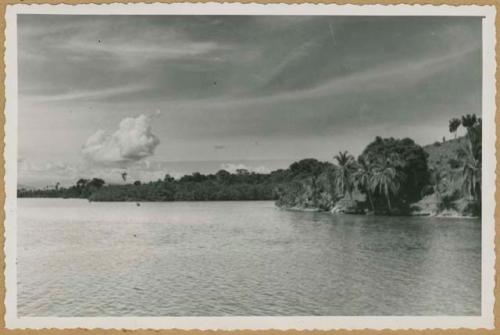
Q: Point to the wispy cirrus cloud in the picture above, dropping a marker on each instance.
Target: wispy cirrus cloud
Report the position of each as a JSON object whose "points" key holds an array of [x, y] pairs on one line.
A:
{"points": [[165, 47], [400, 74], [86, 94], [80, 40]]}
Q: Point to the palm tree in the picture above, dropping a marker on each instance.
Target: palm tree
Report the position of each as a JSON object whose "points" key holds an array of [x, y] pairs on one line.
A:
{"points": [[453, 126], [470, 171], [363, 178], [469, 120], [344, 172], [386, 178]]}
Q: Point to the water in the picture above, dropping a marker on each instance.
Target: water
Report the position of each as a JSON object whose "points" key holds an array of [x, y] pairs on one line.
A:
{"points": [[77, 258]]}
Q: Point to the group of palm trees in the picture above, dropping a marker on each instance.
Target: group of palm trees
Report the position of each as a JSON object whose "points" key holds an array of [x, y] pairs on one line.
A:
{"points": [[370, 175], [382, 176], [470, 171], [467, 121], [469, 155]]}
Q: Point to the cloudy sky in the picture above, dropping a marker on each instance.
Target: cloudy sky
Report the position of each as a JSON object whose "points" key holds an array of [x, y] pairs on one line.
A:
{"points": [[155, 94]]}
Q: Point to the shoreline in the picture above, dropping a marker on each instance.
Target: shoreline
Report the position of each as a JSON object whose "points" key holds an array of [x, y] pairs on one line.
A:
{"points": [[317, 210], [290, 209]]}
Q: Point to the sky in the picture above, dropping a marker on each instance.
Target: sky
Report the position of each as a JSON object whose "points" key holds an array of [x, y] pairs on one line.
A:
{"points": [[150, 95]]}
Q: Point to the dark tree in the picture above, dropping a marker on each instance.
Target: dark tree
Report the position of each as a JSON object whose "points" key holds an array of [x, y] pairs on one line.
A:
{"points": [[469, 120], [412, 164], [308, 166], [96, 182], [453, 126], [168, 178], [223, 176]]}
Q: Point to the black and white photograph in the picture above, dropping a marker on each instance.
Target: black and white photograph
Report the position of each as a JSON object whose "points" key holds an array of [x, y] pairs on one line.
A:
{"points": [[250, 167]]}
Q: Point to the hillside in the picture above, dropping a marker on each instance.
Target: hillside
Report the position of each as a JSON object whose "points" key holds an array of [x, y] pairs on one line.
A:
{"points": [[446, 198], [442, 154]]}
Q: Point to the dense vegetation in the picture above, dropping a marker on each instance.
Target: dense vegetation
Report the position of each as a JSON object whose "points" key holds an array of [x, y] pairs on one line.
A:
{"points": [[397, 176], [242, 185], [391, 176], [386, 177]]}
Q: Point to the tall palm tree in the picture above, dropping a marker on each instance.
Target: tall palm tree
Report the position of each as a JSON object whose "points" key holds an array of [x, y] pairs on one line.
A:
{"points": [[344, 172], [469, 120], [454, 125], [363, 178], [386, 179], [470, 171]]}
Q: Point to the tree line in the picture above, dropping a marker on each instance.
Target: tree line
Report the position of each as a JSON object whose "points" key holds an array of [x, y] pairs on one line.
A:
{"points": [[223, 185], [390, 174], [387, 177]]}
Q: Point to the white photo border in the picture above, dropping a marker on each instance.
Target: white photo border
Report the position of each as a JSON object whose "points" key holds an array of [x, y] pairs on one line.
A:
{"points": [[485, 320]]}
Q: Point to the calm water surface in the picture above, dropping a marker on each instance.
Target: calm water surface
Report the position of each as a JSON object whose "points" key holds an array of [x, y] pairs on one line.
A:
{"points": [[77, 258]]}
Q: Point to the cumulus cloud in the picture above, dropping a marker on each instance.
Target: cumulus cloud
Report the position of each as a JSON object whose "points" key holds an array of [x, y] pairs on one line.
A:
{"points": [[131, 142], [233, 168]]}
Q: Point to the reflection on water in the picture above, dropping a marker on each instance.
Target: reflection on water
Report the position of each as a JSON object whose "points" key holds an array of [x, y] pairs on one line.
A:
{"points": [[77, 258]]}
